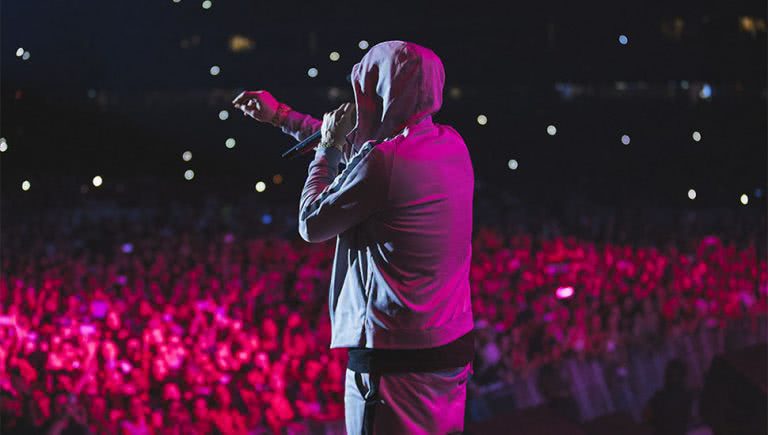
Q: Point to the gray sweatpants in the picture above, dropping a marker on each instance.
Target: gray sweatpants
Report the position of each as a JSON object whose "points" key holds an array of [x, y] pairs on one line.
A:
{"points": [[406, 403]]}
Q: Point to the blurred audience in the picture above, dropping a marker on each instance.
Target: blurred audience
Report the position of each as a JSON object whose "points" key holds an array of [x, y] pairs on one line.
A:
{"points": [[194, 324]]}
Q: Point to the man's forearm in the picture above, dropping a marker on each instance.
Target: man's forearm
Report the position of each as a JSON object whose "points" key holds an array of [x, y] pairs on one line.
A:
{"points": [[323, 169], [298, 125]]}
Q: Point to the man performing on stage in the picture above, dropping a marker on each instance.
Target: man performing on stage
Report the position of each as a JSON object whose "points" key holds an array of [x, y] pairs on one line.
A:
{"points": [[401, 212]]}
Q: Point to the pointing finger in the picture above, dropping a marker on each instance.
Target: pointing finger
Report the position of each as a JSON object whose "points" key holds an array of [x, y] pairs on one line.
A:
{"points": [[245, 95], [239, 99]]}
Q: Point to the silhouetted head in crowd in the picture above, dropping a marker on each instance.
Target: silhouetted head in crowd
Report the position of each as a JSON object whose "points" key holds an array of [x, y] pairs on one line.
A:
{"points": [[675, 374]]}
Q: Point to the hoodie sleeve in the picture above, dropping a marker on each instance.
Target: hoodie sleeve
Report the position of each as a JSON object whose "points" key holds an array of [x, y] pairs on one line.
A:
{"points": [[331, 203], [299, 125]]}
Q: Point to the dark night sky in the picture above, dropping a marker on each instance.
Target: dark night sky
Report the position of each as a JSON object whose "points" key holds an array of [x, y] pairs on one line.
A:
{"points": [[156, 99], [135, 44]]}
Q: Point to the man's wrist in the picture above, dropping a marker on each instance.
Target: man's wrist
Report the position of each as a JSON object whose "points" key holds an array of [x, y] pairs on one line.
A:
{"points": [[330, 154], [280, 114], [328, 144]]}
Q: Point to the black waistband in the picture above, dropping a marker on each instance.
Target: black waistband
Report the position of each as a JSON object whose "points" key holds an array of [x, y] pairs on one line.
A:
{"points": [[457, 353]]}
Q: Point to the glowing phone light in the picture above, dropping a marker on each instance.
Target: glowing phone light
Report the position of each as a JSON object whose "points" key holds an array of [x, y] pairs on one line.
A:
{"points": [[564, 292]]}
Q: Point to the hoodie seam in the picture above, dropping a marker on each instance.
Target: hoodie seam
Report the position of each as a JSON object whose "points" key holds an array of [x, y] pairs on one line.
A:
{"points": [[389, 175], [420, 81], [395, 145]]}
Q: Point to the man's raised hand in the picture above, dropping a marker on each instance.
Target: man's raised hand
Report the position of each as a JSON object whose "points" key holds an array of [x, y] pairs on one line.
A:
{"points": [[337, 124], [259, 105]]}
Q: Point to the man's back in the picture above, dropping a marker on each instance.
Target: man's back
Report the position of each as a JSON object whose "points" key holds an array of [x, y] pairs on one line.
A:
{"points": [[419, 246], [401, 212]]}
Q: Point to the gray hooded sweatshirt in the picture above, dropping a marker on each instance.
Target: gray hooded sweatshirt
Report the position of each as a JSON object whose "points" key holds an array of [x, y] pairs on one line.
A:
{"points": [[401, 210]]}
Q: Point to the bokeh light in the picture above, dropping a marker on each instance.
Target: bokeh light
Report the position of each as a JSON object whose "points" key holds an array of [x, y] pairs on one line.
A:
{"points": [[691, 194], [625, 139], [223, 115], [482, 119], [240, 43], [189, 174], [706, 91], [564, 292], [334, 56], [363, 44], [551, 130], [334, 93], [696, 136], [266, 219], [277, 178], [312, 72], [186, 156], [26, 55], [623, 40], [230, 142], [744, 199], [3, 145], [207, 4], [512, 164], [215, 70], [19, 52], [25, 185], [261, 186], [97, 181]]}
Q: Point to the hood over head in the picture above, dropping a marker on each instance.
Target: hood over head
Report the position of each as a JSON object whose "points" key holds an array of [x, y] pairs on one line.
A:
{"points": [[396, 84]]}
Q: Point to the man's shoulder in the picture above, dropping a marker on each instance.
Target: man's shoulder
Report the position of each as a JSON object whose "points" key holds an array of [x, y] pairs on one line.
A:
{"points": [[414, 142], [377, 149]]}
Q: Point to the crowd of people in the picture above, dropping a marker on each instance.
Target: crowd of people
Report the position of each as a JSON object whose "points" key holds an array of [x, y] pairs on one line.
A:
{"points": [[122, 322], [537, 301]]}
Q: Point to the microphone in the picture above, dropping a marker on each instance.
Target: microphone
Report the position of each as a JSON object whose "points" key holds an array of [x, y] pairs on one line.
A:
{"points": [[301, 147]]}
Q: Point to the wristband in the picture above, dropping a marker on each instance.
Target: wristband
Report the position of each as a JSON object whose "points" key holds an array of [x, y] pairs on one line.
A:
{"points": [[326, 145]]}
